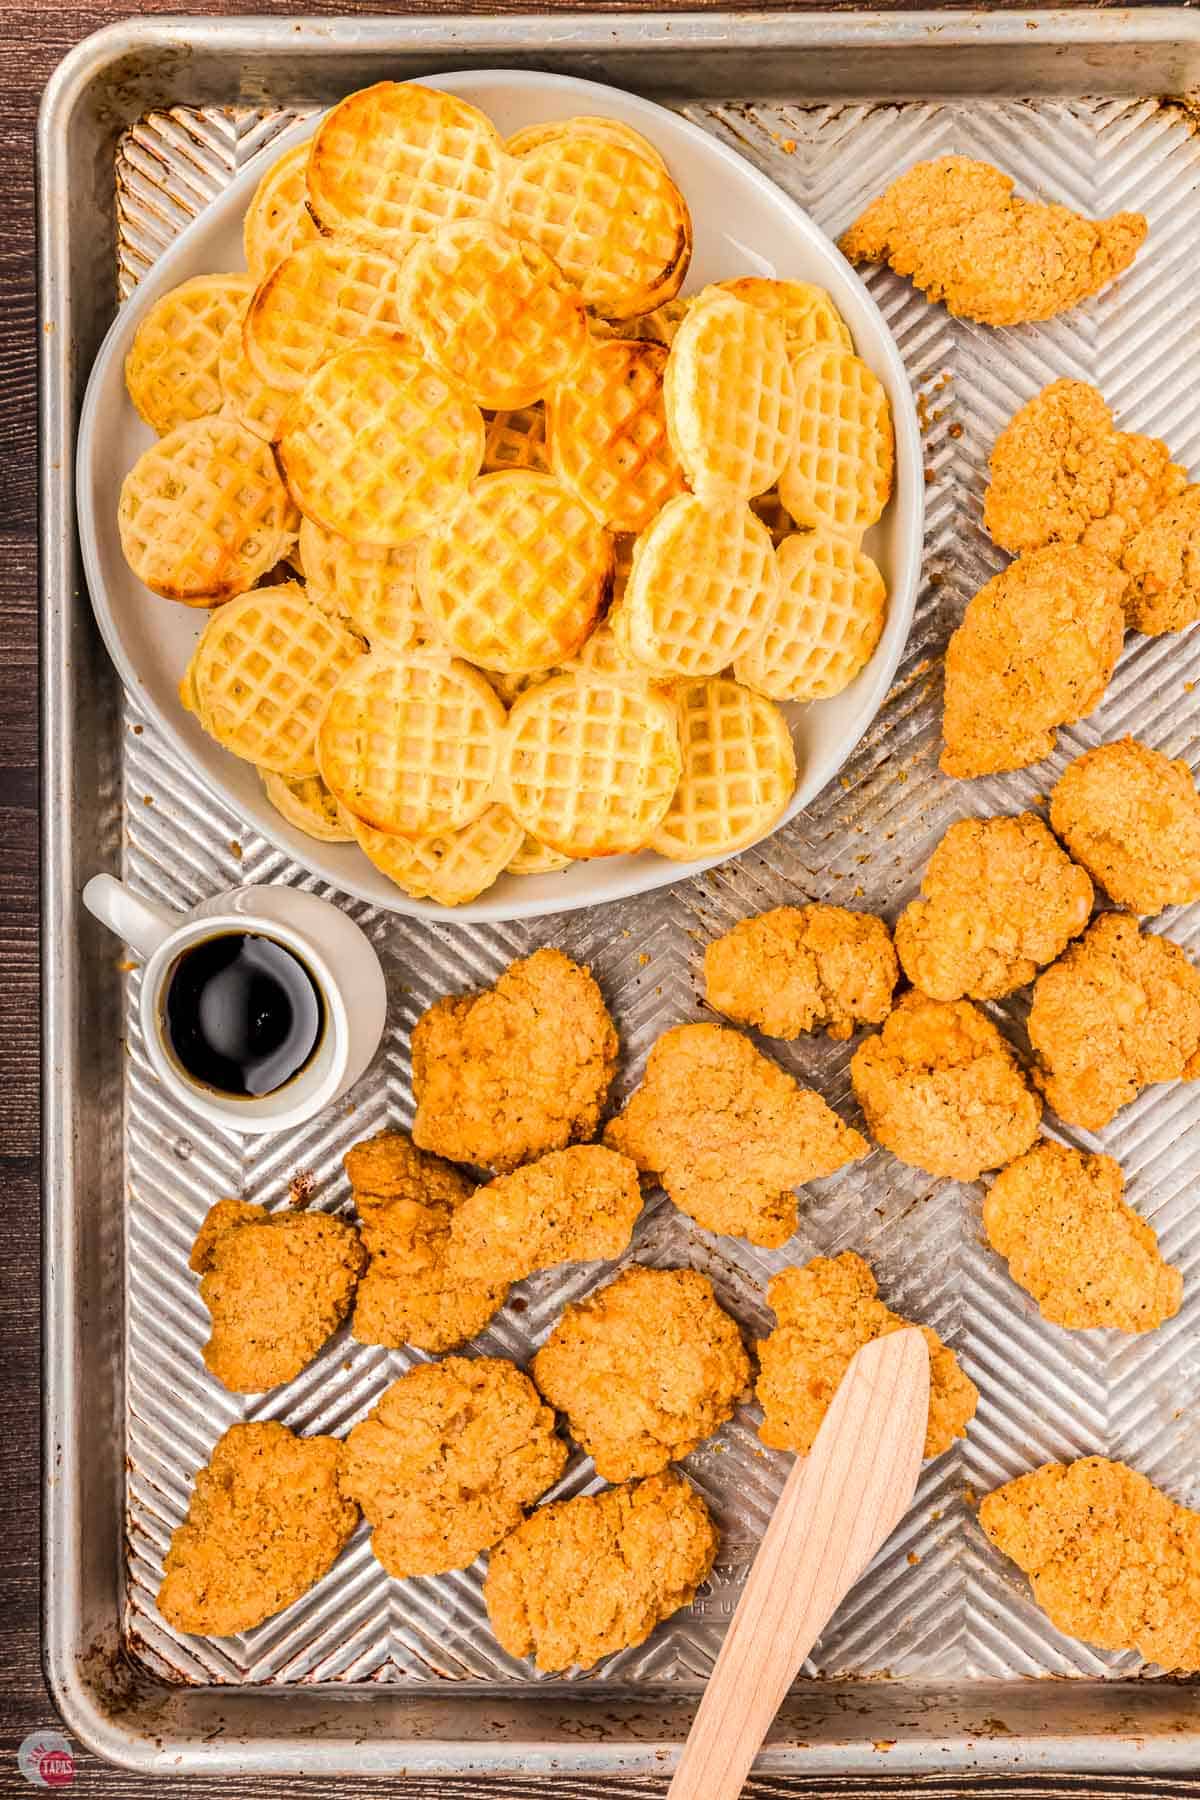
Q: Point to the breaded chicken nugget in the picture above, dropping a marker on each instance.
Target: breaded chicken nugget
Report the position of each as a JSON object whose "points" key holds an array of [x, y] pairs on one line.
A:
{"points": [[446, 1464], [1000, 901], [1132, 818], [645, 1369], [508, 1073], [1057, 1216], [1120, 1011], [826, 1312], [942, 1090], [1035, 650], [730, 1134], [798, 968], [265, 1522], [956, 227], [1061, 473], [277, 1286], [1111, 1559], [582, 1578], [575, 1205], [413, 1291], [1163, 566]]}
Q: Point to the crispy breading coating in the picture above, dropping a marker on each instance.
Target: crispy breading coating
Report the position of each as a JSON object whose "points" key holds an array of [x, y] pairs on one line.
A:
{"points": [[1120, 1011], [414, 1291], [575, 1205], [1000, 900], [1111, 1559], [1132, 818], [800, 968], [942, 1090], [1061, 473], [1163, 566], [644, 1369], [448, 1461], [265, 1522], [1035, 650], [826, 1312], [957, 229], [1058, 1218], [582, 1578], [277, 1286], [730, 1134], [505, 1074]]}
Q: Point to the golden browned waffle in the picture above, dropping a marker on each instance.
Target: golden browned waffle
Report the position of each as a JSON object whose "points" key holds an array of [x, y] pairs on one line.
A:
{"points": [[172, 370], [277, 219], [607, 434], [826, 620], [318, 300], [730, 395], [739, 772], [843, 454]]}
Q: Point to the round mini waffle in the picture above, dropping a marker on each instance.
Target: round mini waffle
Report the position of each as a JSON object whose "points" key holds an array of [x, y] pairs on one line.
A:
{"points": [[532, 137], [393, 161], [730, 398], [374, 587], [308, 804], [277, 219], [317, 301], [515, 578], [410, 745], [590, 764], [246, 396], [492, 312], [607, 434], [825, 624], [806, 312], [451, 868], [515, 438], [739, 772], [203, 514], [172, 370], [839, 473], [380, 446]]}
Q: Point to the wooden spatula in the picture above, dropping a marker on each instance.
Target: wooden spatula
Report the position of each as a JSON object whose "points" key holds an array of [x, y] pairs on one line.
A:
{"points": [[838, 1505]]}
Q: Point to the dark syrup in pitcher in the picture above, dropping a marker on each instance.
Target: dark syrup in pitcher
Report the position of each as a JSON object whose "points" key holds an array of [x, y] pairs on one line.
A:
{"points": [[242, 1014]]}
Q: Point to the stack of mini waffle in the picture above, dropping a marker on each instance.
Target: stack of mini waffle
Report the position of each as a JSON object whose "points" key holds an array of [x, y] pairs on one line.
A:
{"points": [[546, 588]]}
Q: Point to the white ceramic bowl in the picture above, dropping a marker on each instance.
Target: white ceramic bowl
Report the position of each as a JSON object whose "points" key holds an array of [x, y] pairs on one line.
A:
{"points": [[743, 225]]}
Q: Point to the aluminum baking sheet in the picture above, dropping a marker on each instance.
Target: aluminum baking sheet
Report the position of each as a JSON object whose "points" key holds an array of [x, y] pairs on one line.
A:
{"points": [[938, 1613]]}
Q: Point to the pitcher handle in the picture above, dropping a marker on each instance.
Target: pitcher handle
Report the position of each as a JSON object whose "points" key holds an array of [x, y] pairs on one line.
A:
{"points": [[139, 923]]}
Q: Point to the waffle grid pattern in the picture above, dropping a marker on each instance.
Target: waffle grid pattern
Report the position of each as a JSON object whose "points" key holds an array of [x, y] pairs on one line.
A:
{"points": [[700, 591], [173, 366], [608, 438], [825, 623], [373, 585], [278, 220], [806, 312], [451, 868], [245, 396], [739, 772], [731, 402], [317, 301], [840, 471]]}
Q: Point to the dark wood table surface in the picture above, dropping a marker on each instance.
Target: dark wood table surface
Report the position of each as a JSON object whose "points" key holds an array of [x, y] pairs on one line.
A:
{"points": [[34, 35]]}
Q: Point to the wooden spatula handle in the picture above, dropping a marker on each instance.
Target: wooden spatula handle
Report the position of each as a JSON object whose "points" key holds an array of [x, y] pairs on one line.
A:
{"points": [[838, 1505]]}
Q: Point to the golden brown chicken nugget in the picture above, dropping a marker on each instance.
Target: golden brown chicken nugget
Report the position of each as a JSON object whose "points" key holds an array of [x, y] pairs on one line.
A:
{"points": [[575, 1205], [1035, 650], [942, 1090], [1163, 566], [1000, 900], [265, 1522], [826, 1312], [515, 1070], [448, 1461], [582, 1578], [1111, 1559], [1132, 818], [1120, 1011], [800, 968], [277, 1286], [1058, 1218], [730, 1134], [957, 229], [645, 1369]]}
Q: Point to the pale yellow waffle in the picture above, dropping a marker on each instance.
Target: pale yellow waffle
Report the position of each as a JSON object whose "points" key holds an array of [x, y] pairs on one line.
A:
{"points": [[590, 764], [374, 587], [452, 868], [516, 576], [493, 312], [379, 445], [203, 514], [613, 220], [606, 433], [263, 672], [172, 369], [533, 858], [246, 397], [825, 624], [730, 394], [411, 744], [277, 219], [395, 160], [308, 804], [701, 589], [806, 312], [532, 137], [840, 470], [317, 301], [739, 772], [515, 439]]}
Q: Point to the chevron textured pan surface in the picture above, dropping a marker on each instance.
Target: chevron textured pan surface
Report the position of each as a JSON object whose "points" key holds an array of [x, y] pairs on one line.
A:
{"points": [[937, 1605]]}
